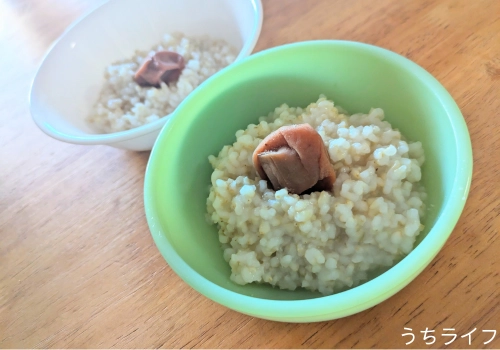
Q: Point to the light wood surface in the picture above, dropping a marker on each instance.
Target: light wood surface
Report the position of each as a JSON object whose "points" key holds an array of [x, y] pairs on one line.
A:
{"points": [[78, 267]]}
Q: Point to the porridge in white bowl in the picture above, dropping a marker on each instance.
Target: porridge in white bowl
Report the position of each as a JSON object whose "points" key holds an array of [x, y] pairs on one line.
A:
{"points": [[124, 104]]}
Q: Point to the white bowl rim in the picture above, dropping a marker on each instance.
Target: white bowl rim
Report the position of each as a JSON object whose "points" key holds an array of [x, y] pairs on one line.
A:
{"points": [[108, 138]]}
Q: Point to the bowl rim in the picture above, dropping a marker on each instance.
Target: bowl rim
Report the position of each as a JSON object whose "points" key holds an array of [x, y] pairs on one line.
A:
{"points": [[367, 294], [108, 138]]}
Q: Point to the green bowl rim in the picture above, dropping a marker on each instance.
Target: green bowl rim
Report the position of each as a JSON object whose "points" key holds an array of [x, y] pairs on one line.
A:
{"points": [[367, 294]]}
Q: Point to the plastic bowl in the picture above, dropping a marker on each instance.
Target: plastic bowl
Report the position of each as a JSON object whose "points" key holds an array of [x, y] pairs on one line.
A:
{"points": [[70, 77], [357, 77]]}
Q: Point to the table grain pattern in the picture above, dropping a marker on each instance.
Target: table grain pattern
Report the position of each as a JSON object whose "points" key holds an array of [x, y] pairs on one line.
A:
{"points": [[78, 267]]}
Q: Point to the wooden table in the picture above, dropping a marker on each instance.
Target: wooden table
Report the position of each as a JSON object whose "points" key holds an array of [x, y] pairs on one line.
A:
{"points": [[79, 267]]}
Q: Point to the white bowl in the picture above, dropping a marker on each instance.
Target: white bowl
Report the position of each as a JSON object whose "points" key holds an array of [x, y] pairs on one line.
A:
{"points": [[70, 77]]}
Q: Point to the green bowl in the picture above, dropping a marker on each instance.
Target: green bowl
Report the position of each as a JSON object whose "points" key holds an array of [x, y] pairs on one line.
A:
{"points": [[355, 76]]}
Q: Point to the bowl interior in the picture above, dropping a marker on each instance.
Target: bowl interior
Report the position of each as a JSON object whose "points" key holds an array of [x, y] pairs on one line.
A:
{"points": [[356, 76], [71, 76]]}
